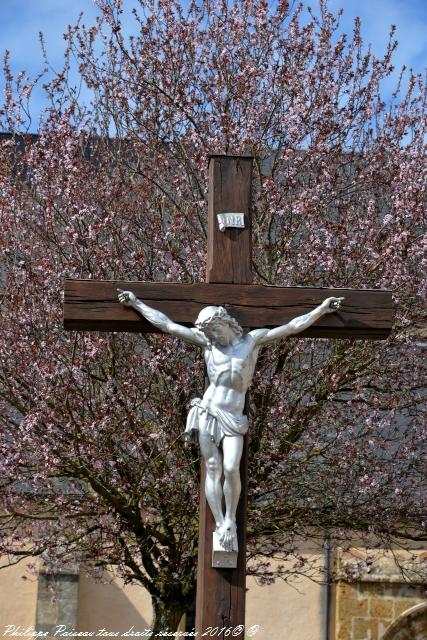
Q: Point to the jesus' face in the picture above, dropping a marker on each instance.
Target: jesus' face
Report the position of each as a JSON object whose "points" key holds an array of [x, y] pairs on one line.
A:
{"points": [[218, 326], [220, 332]]}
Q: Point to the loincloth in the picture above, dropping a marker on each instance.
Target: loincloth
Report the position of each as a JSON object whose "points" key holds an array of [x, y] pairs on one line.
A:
{"points": [[217, 422]]}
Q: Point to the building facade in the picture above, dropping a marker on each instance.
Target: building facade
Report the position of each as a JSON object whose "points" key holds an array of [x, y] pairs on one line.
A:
{"points": [[379, 605]]}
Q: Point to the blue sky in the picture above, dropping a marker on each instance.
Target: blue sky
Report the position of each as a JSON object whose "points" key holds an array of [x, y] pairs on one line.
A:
{"points": [[21, 21]]}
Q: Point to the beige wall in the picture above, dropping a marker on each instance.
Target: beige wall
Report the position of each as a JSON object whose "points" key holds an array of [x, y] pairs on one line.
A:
{"points": [[360, 611], [18, 596], [280, 610], [112, 605], [285, 611]]}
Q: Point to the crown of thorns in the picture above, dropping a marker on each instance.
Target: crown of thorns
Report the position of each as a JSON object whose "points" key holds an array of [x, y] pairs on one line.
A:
{"points": [[218, 313]]}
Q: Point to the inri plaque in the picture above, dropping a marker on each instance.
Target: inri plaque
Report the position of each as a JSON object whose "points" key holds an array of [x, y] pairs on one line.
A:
{"points": [[226, 220]]}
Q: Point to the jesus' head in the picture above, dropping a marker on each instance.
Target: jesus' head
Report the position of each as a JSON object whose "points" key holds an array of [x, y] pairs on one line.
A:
{"points": [[218, 325]]}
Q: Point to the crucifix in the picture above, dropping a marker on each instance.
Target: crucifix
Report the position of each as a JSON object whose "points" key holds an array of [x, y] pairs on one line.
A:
{"points": [[233, 319]]}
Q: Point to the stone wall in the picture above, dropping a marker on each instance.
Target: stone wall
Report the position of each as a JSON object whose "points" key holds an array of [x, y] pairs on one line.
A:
{"points": [[412, 625], [366, 609]]}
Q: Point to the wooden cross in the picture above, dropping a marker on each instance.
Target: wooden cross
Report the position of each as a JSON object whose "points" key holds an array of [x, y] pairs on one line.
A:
{"points": [[93, 305]]}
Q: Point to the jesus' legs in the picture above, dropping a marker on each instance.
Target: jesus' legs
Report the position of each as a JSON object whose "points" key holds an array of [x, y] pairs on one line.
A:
{"points": [[232, 447], [213, 490]]}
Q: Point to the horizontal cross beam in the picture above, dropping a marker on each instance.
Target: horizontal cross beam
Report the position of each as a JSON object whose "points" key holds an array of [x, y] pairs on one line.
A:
{"points": [[93, 305]]}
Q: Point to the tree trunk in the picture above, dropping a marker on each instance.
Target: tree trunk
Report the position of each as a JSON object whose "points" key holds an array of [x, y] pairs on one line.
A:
{"points": [[166, 616]]}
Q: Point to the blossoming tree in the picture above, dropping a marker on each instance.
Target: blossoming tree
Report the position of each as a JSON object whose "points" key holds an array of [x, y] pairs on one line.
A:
{"points": [[92, 461]]}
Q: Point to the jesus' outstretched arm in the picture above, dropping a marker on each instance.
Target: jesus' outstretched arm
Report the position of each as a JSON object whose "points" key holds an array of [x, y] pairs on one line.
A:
{"points": [[297, 325], [161, 321]]}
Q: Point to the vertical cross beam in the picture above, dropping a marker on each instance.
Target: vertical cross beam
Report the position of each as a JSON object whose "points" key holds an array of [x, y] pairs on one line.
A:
{"points": [[220, 598], [230, 251]]}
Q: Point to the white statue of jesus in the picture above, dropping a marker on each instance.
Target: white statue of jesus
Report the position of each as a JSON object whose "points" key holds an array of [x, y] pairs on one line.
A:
{"points": [[217, 418]]}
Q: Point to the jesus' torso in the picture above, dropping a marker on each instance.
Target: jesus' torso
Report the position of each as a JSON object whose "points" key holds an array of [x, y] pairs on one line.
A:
{"points": [[230, 369]]}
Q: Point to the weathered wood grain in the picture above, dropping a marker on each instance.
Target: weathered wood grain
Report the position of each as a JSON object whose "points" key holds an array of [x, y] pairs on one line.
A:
{"points": [[229, 252], [93, 305]]}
